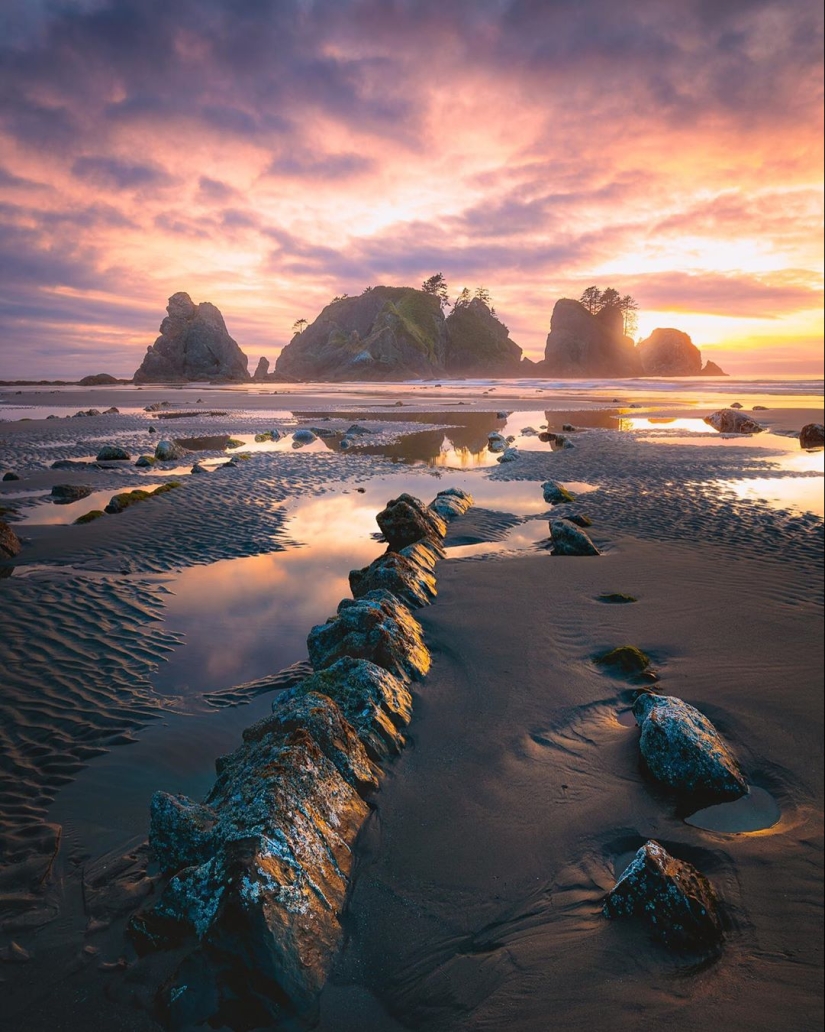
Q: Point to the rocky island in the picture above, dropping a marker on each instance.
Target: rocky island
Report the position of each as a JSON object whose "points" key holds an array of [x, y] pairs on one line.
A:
{"points": [[194, 344]]}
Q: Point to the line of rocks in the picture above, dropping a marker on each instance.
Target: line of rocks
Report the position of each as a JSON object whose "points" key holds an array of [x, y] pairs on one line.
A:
{"points": [[259, 872]]}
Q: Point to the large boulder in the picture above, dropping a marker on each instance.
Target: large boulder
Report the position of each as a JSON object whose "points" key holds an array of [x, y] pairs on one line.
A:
{"points": [[64, 494], [194, 344], [730, 421], [112, 453], [478, 344], [169, 451], [676, 902], [669, 352], [261, 369], [406, 520], [812, 435], [376, 627], [683, 750], [580, 344], [386, 333]]}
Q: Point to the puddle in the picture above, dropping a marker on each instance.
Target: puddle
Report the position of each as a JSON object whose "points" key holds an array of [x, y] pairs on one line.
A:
{"points": [[802, 494], [521, 537], [48, 513], [626, 718], [756, 811]]}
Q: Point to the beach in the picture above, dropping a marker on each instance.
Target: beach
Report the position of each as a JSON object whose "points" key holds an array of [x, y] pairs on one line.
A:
{"points": [[134, 649]]}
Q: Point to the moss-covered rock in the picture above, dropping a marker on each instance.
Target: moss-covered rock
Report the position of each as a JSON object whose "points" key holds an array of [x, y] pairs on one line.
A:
{"points": [[478, 344], [122, 501], [625, 659], [616, 598], [89, 517]]}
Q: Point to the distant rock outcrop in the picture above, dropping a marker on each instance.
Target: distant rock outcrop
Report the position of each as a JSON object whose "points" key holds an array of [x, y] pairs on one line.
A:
{"points": [[193, 345], [479, 344], [580, 344], [261, 370], [712, 369], [386, 333], [669, 352], [98, 380]]}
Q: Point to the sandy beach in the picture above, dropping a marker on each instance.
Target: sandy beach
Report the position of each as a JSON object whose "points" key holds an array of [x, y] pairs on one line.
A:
{"points": [[133, 649]]}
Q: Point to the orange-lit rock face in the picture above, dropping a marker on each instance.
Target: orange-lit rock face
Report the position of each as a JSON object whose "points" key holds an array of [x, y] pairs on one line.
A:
{"points": [[384, 146]]}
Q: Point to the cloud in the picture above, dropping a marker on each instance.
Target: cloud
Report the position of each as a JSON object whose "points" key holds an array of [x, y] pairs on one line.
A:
{"points": [[713, 294], [325, 166], [119, 175]]}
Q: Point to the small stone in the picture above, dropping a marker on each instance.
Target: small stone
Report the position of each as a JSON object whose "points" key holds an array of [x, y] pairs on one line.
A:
{"points": [[675, 900], [406, 520], [64, 494], [14, 953], [146, 461], [626, 659], [570, 540], [9, 542], [10, 476], [736, 405], [615, 598], [303, 437], [509, 455], [112, 453], [726, 421], [555, 493]]}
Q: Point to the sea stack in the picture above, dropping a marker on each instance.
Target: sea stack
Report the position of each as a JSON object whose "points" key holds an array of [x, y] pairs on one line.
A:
{"points": [[194, 344], [580, 344]]}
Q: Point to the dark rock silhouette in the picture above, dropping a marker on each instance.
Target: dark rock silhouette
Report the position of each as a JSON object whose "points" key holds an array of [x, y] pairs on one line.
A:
{"points": [[669, 352], [387, 333], [580, 344], [9, 541], [728, 421], [261, 370], [478, 344], [97, 380], [193, 345], [712, 369], [812, 435]]}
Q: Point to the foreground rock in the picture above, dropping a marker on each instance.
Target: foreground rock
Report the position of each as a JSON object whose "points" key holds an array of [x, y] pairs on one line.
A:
{"points": [[669, 352], [730, 421], [169, 451], [386, 333], [194, 344], [112, 453], [9, 542], [812, 435], [570, 540], [263, 875], [581, 344], [556, 494], [478, 344], [676, 902], [410, 577], [451, 503], [683, 750], [376, 627], [406, 520]]}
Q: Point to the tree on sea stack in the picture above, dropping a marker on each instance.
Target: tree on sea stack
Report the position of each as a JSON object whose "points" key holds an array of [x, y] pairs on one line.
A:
{"points": [[437, 286], [463, 299], [299, 326]]}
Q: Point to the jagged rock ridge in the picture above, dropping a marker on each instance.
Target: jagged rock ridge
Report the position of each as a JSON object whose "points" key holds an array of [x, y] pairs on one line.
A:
{"points": [[194, 344]]}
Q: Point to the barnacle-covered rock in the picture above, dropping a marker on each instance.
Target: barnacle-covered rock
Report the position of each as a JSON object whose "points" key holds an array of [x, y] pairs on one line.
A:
{"points": [[406, 520]]}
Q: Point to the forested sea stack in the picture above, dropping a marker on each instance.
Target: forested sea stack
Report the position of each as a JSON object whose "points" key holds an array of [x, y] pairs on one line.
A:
{"points": [[194, 344], [581, 344]]}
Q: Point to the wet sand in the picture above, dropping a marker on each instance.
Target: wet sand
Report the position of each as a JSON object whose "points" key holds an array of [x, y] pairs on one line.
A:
{"points": [[495, 835]]}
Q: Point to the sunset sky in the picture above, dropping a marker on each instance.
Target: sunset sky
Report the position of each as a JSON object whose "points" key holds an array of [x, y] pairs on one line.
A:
{"points": [[267, 155]]}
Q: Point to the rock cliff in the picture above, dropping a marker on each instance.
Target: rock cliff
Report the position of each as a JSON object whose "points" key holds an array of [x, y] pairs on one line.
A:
{"points": [[386, 333], [478, 344], [580, 344], [193, 345]]}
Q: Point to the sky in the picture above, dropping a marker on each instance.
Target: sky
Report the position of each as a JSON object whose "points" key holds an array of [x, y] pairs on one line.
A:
{"points": [[267, 155]]}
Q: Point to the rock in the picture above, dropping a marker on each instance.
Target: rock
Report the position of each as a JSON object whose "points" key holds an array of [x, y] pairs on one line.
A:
{"points": [[616, 598], [97, 380], [579, 519], [570, 540], [737, 405], [682, 749], [669, 352], [502, 415], [261, 370], [267, 902], [111, 411], [303, 437], [509, 455], [73, 464], [87, 412], [625, 659], [111, 453], [157, 406], [169, 451], [146, 461], [812, 435], [375, 704], [386, 333], [555, 493], [10, 476], [376, 627], [478, 344], [712, 369], [198, 468], [496, 442], [180, 831], [153, 430], [345, 443], [89, 517], [401, 576], [356, 430], [406, 520], [9, 542], [580, 344], [63, 494], [193, 345], [675, 900], [726, 421], [14, 953], [451, 503]]}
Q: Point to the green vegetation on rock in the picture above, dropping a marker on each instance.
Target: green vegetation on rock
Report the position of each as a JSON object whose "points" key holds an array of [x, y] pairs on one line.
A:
{"points": [[616, 598], [89, 517], [627, 658]]}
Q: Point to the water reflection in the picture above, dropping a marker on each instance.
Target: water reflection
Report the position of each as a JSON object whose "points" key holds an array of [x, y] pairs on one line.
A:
{"points": [[47, 513], [801, 494]]}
